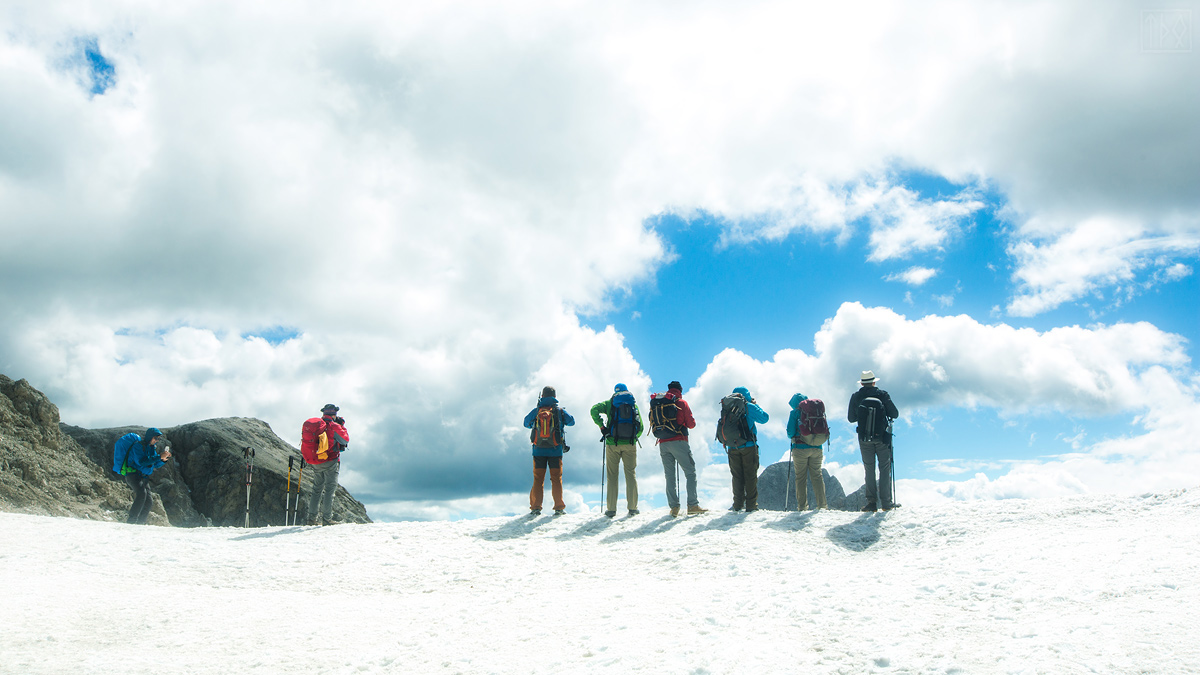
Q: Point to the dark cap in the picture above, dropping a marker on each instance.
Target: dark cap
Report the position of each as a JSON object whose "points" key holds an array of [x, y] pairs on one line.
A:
{"points": [[548, 392], [330, 409], [675, 386]]}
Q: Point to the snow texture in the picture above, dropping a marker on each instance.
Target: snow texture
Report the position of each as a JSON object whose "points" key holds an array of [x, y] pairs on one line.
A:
{"points": [[1095, 584]]}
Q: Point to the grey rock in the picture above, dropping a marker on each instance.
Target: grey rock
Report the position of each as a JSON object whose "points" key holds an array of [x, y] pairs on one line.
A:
{"points": [[776, 491]]}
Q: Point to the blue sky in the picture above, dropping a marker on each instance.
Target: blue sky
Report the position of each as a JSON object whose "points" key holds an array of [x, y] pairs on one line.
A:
{"points": [[425, 213]]}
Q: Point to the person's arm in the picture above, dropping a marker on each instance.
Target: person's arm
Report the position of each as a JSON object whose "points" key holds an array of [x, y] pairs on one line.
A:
{"points": [[637, 422], [529, 418], [340, 435], [757, 414], [793, 420], [889, 407], [567, 420], [601, 407], [685, 416], [852, 413]]}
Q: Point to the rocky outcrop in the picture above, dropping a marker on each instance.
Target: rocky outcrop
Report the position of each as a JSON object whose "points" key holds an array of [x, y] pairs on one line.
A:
{"points": [[45, 472], [49, 468], [776, 491]]}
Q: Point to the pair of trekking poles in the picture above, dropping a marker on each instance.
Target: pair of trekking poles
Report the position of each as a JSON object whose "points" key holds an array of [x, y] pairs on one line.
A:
{"points": [[291, 510]]}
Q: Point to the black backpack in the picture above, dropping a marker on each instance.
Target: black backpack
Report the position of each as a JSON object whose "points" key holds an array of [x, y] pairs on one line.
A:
{"points": [[664, 417], [873, 422], [733, 429], [622, 423]]}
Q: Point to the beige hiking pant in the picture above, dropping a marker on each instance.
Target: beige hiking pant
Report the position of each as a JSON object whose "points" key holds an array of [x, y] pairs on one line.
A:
{"points": [[625, 453], [807, 463]]}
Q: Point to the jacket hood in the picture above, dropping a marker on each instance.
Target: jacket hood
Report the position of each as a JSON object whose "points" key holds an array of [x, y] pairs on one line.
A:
{"points": [[795, 402], [547, 400], [743, 391]]}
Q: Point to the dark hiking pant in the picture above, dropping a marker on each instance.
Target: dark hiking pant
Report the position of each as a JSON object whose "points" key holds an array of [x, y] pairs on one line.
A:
{"points": [[743, 466], [679, 453], [140, 511], [881, 451]]}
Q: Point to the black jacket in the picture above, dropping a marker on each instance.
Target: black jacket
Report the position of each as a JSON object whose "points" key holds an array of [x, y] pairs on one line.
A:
{"points": [[871, 391]]}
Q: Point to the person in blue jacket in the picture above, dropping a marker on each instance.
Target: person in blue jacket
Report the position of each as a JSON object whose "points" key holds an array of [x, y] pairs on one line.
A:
{"points": [[743, 459], [806, 460], [547, 421], [136, 459]]}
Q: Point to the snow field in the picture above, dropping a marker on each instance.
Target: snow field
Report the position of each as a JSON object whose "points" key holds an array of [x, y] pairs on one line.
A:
{"points": [[1094, 584]]}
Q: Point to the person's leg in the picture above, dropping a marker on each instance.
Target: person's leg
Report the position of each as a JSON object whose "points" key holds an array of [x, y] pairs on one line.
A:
{"points": [[815, 457], [737, 472], [683, 455], [539, 481], [799, 461], [319, 473], [884, 452], [611, 462], [868, 459], [139, 510], [331, 483], [751, 472], [556, 485], [629, 459], [668, 460]]}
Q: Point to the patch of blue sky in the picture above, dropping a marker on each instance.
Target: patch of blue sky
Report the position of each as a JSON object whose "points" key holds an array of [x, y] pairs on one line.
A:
{"points": [[274, 335], [97, 72]]}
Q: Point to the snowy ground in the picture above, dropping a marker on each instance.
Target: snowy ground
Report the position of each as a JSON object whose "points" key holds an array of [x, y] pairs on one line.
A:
{"points": [[1096, 584]]}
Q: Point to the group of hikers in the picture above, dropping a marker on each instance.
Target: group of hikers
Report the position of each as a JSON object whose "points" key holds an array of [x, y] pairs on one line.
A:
{"points": [[670, 419], [322, 441], [324, 438]]}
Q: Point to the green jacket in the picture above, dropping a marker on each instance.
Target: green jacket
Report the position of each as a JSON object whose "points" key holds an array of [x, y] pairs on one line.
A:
{"points": [[605, 408]]}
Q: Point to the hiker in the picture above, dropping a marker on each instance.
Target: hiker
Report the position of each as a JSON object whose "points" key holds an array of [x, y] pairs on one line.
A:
{"points": [[325, 460], [874, 440], [546, 422], [136, 458], [808, 431], [736, 431], [621, 426], [670, 419]]}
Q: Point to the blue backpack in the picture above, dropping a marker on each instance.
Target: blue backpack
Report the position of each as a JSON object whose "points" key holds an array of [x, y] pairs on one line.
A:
{"points": [[121, 450], [623, 425]]}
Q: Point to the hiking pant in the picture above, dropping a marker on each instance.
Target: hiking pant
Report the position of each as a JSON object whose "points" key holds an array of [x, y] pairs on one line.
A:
{"points": [[743, 465], [807, 463], [626, 453], [553, 466], [140, 511], [679, 452], [883, 451], [325, 476]]}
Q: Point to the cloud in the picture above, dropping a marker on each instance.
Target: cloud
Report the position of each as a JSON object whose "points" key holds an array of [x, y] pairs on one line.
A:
{"points": [[1100, 253], [913, 276]]}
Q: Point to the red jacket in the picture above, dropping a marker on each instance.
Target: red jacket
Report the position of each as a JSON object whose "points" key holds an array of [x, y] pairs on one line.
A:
{"points": [[684, 417]]}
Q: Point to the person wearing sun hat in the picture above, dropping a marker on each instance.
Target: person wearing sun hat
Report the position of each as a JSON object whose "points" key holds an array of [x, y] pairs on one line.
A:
{"points": [[135, 458], [874, 442], [325, 472]]}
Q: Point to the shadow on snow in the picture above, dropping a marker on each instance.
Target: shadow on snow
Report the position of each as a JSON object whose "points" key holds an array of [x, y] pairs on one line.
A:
{"points": [[859, 535]]}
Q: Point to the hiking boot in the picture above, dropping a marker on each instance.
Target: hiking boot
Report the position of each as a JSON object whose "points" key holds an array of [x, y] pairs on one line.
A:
{"points": [[559, 512], [735, 507], [610, 514], [893, 506], [634, 512], [869, 508], [313, 521], [674, 511], [751, 509], [695, 509], [535, 512]]}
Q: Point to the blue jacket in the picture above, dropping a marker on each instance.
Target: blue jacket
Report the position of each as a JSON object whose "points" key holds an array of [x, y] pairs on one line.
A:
{"points": [[753, 414], [129, 451], [794, 422], [567, 421]]}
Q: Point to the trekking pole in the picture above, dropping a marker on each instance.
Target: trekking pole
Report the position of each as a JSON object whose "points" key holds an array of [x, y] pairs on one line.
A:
{"points": [[248, 453], [287, 502], [299, 480], [789, 485], [603, 471]]}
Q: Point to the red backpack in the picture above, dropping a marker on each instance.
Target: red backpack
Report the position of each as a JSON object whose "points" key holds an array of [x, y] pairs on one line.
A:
{"points": [[314, 442], [813, 428], [546, 431]]}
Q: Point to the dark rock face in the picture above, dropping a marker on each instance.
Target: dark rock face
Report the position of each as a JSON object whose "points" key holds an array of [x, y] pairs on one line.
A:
{"points": [[776, 491], [45, 472], [49, 468]]}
